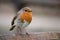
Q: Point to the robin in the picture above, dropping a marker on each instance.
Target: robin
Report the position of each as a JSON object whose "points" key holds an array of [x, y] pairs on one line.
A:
{"points": [[23, 19]]}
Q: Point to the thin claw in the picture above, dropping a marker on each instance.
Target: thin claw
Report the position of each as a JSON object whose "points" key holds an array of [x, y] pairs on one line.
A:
{"points": [[22, 35], [27, 34]]}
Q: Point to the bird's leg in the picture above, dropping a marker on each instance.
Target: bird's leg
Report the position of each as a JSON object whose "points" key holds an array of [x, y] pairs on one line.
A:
{"points": [[19, 31], [22, 31], [26, 32]]}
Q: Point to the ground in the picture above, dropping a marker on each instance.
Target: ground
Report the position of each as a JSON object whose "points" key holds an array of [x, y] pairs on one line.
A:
{"points": [[33, 36]]}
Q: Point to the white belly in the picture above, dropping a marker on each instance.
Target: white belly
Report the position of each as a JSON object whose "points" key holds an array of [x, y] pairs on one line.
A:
{"points": [[20, 24]]}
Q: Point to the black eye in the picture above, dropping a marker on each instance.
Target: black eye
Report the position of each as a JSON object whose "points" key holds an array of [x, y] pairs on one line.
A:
{"points": [[25, 10]]}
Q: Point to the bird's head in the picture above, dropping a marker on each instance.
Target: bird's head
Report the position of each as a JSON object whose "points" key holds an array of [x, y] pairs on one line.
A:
{"points": [[25, 10]]}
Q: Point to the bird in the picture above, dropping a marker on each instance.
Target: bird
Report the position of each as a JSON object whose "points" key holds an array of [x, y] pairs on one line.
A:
{"points": [[23, 19]]}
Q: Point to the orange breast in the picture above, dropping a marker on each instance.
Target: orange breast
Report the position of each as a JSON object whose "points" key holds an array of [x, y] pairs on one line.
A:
{"points": [[27, 17]]}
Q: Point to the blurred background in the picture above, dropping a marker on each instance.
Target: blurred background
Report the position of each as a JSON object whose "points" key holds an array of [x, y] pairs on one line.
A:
{"points": [[46, 15]]}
